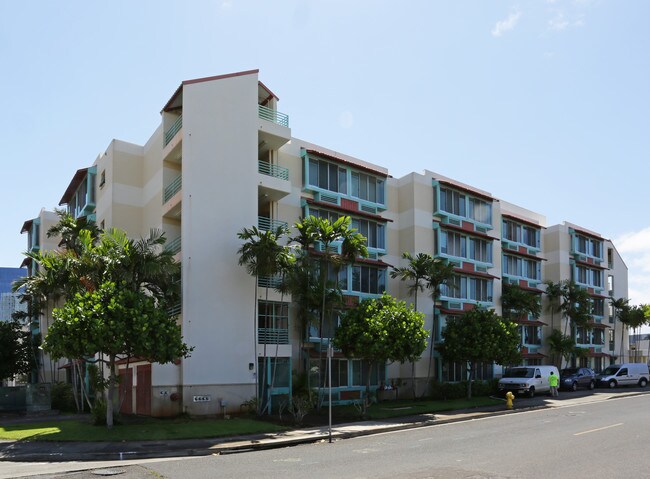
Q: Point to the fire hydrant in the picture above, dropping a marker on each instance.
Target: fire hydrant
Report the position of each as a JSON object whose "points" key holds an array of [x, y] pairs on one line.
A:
{"points": [[509, 399]]}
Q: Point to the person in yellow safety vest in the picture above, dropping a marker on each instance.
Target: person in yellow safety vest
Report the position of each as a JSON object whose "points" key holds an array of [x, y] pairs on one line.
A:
{"points": [[553, 382]]}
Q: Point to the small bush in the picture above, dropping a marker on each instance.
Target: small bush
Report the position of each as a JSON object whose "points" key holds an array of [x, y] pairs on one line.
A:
{"points": [[99, 412], [458, 390], [63, 398]]}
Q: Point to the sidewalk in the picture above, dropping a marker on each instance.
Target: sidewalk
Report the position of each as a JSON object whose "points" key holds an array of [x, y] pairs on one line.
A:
{"points": [[111, 451]]}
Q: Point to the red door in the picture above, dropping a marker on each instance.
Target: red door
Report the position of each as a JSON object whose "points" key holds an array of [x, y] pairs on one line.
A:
{"points": [[143, 391], [126, 391]]}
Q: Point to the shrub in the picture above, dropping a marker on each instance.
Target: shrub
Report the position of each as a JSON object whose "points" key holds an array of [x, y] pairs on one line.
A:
{"points": [[458, 390], [63, 398]]}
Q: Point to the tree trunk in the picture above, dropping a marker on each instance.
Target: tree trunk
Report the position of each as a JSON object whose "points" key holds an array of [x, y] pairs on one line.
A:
{"points": [[109, 391], [433, 333], [470, 369]]}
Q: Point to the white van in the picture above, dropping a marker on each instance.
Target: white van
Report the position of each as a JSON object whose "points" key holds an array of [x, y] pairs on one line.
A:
{"points": [[527, 379], [626, 374]]}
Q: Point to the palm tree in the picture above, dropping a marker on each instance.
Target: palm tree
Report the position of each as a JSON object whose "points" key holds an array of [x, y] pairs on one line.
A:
{"points": [[259, 254], [416, 272], [439, 274], [561, 345], [554, 294], [576, 306], [619, 306], [315, 230]]}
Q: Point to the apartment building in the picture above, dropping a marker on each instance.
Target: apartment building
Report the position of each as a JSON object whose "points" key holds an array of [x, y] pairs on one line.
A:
{"points": [[223, 159], [592, 262]]}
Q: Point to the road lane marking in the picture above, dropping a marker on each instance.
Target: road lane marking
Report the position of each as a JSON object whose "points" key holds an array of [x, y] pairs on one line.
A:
{"points": [[599, 429]]}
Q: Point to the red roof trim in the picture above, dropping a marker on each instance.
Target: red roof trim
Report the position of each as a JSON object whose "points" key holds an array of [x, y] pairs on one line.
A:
{"points": [[485, 196], [267, 89], [519, 253], [591, 265], [27, 225], [595, 325], [533, 355], [72, 187], [464, 272], [346, 162], [463, 230], [521, 220], [587, 233], [221, 77], [330, 206], [205, 79]]}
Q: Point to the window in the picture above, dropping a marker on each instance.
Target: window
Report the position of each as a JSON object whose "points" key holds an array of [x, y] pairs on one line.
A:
{"points": [[610, 284], [531, 236], [339, 372], [360, 373], [452, 244], [598, 307], [367, 187], [511, 231], [532, 335], [582, 335], [366, 279], [598, 336], [480, 211], [327, 176], [463, 287], [611, 340], [102, 178], [532, 269], [512, 266], [374, 232], [480, 250], [273, 316], [328, 215], [452, 202], [588, 246]]}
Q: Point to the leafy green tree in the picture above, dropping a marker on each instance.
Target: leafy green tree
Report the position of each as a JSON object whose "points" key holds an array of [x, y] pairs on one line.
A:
{"points": [[415, 273], [116, 321], [635, 319], [553, 294], [16, 356], [140, 273], [480, 336], [381, 330]]}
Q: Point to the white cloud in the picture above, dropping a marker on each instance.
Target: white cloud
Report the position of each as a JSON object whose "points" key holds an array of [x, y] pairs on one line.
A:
{"points": [[559, 22], [634, 247], [508, 24]]}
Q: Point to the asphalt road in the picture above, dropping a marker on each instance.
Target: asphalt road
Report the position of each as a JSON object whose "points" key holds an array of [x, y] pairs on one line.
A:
{"points": [[605, 439]]}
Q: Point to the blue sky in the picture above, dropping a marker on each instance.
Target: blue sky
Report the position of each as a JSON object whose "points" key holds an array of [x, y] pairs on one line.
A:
{"points": [[542, 103]]}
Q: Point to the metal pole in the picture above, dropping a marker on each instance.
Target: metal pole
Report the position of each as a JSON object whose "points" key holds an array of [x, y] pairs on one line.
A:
{"points": [[330, 353]]}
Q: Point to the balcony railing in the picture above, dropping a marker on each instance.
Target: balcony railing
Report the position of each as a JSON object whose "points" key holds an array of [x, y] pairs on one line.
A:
{"points": [[172, 188], [173, 246], [171, 133], [175, 309], [269, 281], [276, 171], [267, 224], [272, 336], [266, 113]]}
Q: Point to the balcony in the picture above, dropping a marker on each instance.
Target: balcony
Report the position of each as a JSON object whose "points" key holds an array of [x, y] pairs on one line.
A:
{"points": [[171, 132], [267, 224], [273, 181], [172, 188], [274, 116], [276, 171], [174, 246]]}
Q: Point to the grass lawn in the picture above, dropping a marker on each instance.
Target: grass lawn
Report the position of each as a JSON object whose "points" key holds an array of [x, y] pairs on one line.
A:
{"points": [[143, 429], [389, 409]]}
